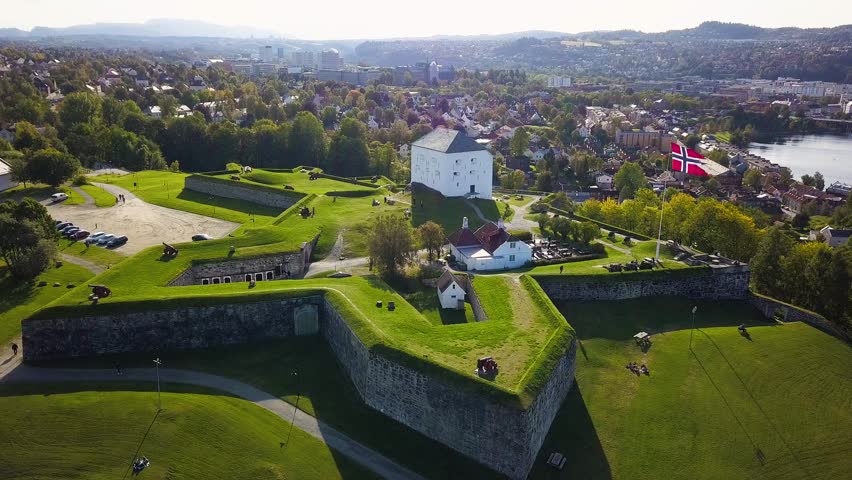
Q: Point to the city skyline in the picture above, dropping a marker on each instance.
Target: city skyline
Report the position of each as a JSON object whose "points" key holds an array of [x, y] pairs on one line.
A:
{"points": [[376, 19]]}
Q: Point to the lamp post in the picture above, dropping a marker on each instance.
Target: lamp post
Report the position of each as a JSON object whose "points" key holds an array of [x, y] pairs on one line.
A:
{"points": [[692, 330], [157, 363], [295, 407]]}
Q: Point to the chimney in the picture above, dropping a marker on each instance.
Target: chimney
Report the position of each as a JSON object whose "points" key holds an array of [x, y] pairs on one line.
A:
{"points": [[464, 222], [500, 225]]}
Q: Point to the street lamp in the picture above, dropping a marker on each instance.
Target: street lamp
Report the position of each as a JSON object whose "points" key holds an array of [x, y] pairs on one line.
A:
{"points": [[158, 362], [694, 309], [295, 407]]}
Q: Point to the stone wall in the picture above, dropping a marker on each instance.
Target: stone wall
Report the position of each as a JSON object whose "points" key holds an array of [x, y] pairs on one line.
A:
{"points": [[183, 328], [234, 189], [236, 269], [503, 438], [789, 313], [729, 283]]}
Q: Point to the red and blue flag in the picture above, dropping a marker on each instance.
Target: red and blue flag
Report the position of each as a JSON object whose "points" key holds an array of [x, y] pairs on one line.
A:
{"points": [[687, 160]]}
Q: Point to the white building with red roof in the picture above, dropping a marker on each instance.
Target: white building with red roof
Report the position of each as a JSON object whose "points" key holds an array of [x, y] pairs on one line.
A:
{"points": [[490, 247]]}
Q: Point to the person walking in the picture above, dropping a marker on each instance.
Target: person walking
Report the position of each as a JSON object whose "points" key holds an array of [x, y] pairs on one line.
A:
{"points": [[561, 267], [14, 349], [117, 368]]}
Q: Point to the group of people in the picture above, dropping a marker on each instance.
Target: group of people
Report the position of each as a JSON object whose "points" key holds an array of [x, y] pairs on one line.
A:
{"points": [[120, 198], [637, 369]]}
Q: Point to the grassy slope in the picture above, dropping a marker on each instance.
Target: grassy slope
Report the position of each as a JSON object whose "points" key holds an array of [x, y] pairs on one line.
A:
{"points": [[102, 197], [448, 212], [323, 390], [19, 301], [92, 253], [786, 392], [300, 182], [166, 189], [94, 433]]}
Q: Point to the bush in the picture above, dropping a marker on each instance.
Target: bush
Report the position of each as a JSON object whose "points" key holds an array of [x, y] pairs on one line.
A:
{"points": [[522, 235], [539, 207], [80, 180]]}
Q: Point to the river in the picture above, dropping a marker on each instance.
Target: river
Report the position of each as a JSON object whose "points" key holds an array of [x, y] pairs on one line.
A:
{"points": [[831, 155]]}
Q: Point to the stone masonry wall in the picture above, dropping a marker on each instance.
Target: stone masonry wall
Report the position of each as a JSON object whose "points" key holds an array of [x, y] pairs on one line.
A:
{"points": [[789, 313], [233, 189], [505, 439], [729, 283], [178, 329]]}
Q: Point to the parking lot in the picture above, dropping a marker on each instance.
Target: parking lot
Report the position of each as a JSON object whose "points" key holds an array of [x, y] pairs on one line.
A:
{"points": [[144, 224]]}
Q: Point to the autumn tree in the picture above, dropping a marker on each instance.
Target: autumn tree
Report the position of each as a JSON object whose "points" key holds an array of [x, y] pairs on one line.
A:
{"points": [[391, 243], [432, 237]]}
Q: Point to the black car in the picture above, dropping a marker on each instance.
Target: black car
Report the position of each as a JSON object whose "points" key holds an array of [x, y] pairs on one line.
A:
{"points": [[64, 225], [65, 230], [201, 236], [71, 231], [117, 242]]}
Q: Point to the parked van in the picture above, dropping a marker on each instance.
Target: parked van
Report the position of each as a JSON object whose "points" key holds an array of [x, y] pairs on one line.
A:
{"points": [[59, 197]]}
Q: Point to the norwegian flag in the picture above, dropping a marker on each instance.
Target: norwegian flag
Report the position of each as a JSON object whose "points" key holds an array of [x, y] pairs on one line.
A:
{"points": [[687, 160]]}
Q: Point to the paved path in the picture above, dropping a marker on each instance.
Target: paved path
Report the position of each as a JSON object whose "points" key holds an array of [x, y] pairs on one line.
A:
{"points": [[365, 456], [518, 221], [87, 199], [92, 267]]}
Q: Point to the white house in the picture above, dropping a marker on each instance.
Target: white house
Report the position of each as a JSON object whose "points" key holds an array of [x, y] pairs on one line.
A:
{"points": [[154, 111], [604, 182], [452, 163], [834, 237], [6, 176], [490, 247], [450, 292]]}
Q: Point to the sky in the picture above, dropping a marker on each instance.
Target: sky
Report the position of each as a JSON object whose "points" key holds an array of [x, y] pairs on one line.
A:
{"points": [[339, 19]]}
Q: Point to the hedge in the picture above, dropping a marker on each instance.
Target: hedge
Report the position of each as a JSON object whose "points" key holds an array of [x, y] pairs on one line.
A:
{"points": [[612, 228], [220, 172], [351, 193], [348, 180], [517, 192]]}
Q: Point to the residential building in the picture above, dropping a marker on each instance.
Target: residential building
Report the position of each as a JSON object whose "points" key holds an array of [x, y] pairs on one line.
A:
{"points": [[451, 293], [266, 54], [198, 84], [604, 182], [6, 181], [358, 77], [656, 139], [839, 188], [154, 112], [555, 81], [302, 59], [452, 163], [833, 237], [490, 247]]}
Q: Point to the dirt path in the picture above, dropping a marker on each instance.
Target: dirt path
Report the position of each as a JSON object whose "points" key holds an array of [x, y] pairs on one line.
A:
{"points": [[92, 267], [143, 223], [365, 456]]}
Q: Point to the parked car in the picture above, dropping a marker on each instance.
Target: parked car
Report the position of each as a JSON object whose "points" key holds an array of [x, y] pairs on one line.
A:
{"points": [[64, 230], [105, 238], [96, 235], [71, 231], [63, 225], [201, 236], [117, 241], [58, 222], [59, 197], [80, 235]]}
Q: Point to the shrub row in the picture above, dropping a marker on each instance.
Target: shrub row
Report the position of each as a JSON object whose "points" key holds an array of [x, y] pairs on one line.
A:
{"points": [[351, 193], [348, 180]]}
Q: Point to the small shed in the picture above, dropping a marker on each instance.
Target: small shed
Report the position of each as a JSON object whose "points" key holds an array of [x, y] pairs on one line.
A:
{"points": [[451, 293]]}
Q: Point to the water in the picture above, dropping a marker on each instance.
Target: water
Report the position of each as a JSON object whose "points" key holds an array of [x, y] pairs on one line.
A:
{"points": [[831, 155]]}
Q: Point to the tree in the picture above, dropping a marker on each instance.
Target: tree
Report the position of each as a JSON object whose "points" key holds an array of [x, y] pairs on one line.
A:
{"points": [[544, 182], [801, 221], [721, 157], [692, 140], [585, 232], [765, 266], [808, 180], [431, 237], [561, 227], [28, 138], [349, 155], [18, 171], [513, 180], [329, 117], [786, 176], [51, 166], [819, 181], [520, 142], [307, 140], [543, 222], [391, 243], [562, 201], [752, 179], [27, 237], [80, 107], [629, 179]]}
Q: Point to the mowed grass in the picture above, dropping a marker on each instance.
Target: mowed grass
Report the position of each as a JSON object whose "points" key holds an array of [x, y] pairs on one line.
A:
{"points": [[448, 212], [94, 432], [638, 251], [19, 299], [166, 189], [301, 182], [777, 406], [322, 389], [101, 197], [92, 253]]}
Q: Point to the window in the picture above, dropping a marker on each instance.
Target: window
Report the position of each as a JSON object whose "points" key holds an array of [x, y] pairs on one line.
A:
{"points": [[270, 276], [258, 277], [216, 280], [455, 174], [472, 160], [511, 258], [512, 244], [226, 279], [454, 286], [452, 296], [205, 281], [248, 277]]}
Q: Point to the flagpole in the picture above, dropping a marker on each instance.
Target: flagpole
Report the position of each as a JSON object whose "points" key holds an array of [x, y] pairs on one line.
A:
{"points": [[660, 233]]}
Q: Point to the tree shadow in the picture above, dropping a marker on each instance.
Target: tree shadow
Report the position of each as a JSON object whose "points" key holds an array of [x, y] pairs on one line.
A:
{"points": [[573, 434]]}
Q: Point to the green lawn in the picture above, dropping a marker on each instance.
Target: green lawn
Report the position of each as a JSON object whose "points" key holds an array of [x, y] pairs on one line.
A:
{"points": [[723, 136], [20, 300], [166, 189], [639, 250], [448, 212], [92, 253], [775, 406], [94, 432], [323, 390], [301, 182], [102, 197], [425, 300]]}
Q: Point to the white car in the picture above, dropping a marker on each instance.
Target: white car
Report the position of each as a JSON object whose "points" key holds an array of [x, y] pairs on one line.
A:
{"points": [[59, 197]]}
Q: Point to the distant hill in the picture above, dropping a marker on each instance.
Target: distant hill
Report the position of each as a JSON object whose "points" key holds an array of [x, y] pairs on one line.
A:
{"points": [[151, 28]]}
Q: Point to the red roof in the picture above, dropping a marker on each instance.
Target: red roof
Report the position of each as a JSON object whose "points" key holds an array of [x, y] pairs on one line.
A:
{"points": [[463, 237]]}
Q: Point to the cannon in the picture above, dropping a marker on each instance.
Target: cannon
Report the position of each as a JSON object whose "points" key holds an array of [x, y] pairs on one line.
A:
{"points": [[169, 251], [647, 264], [632, 266], [100, 291], [235, 177], [614, 267], [305, 212], [486, 366]]}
